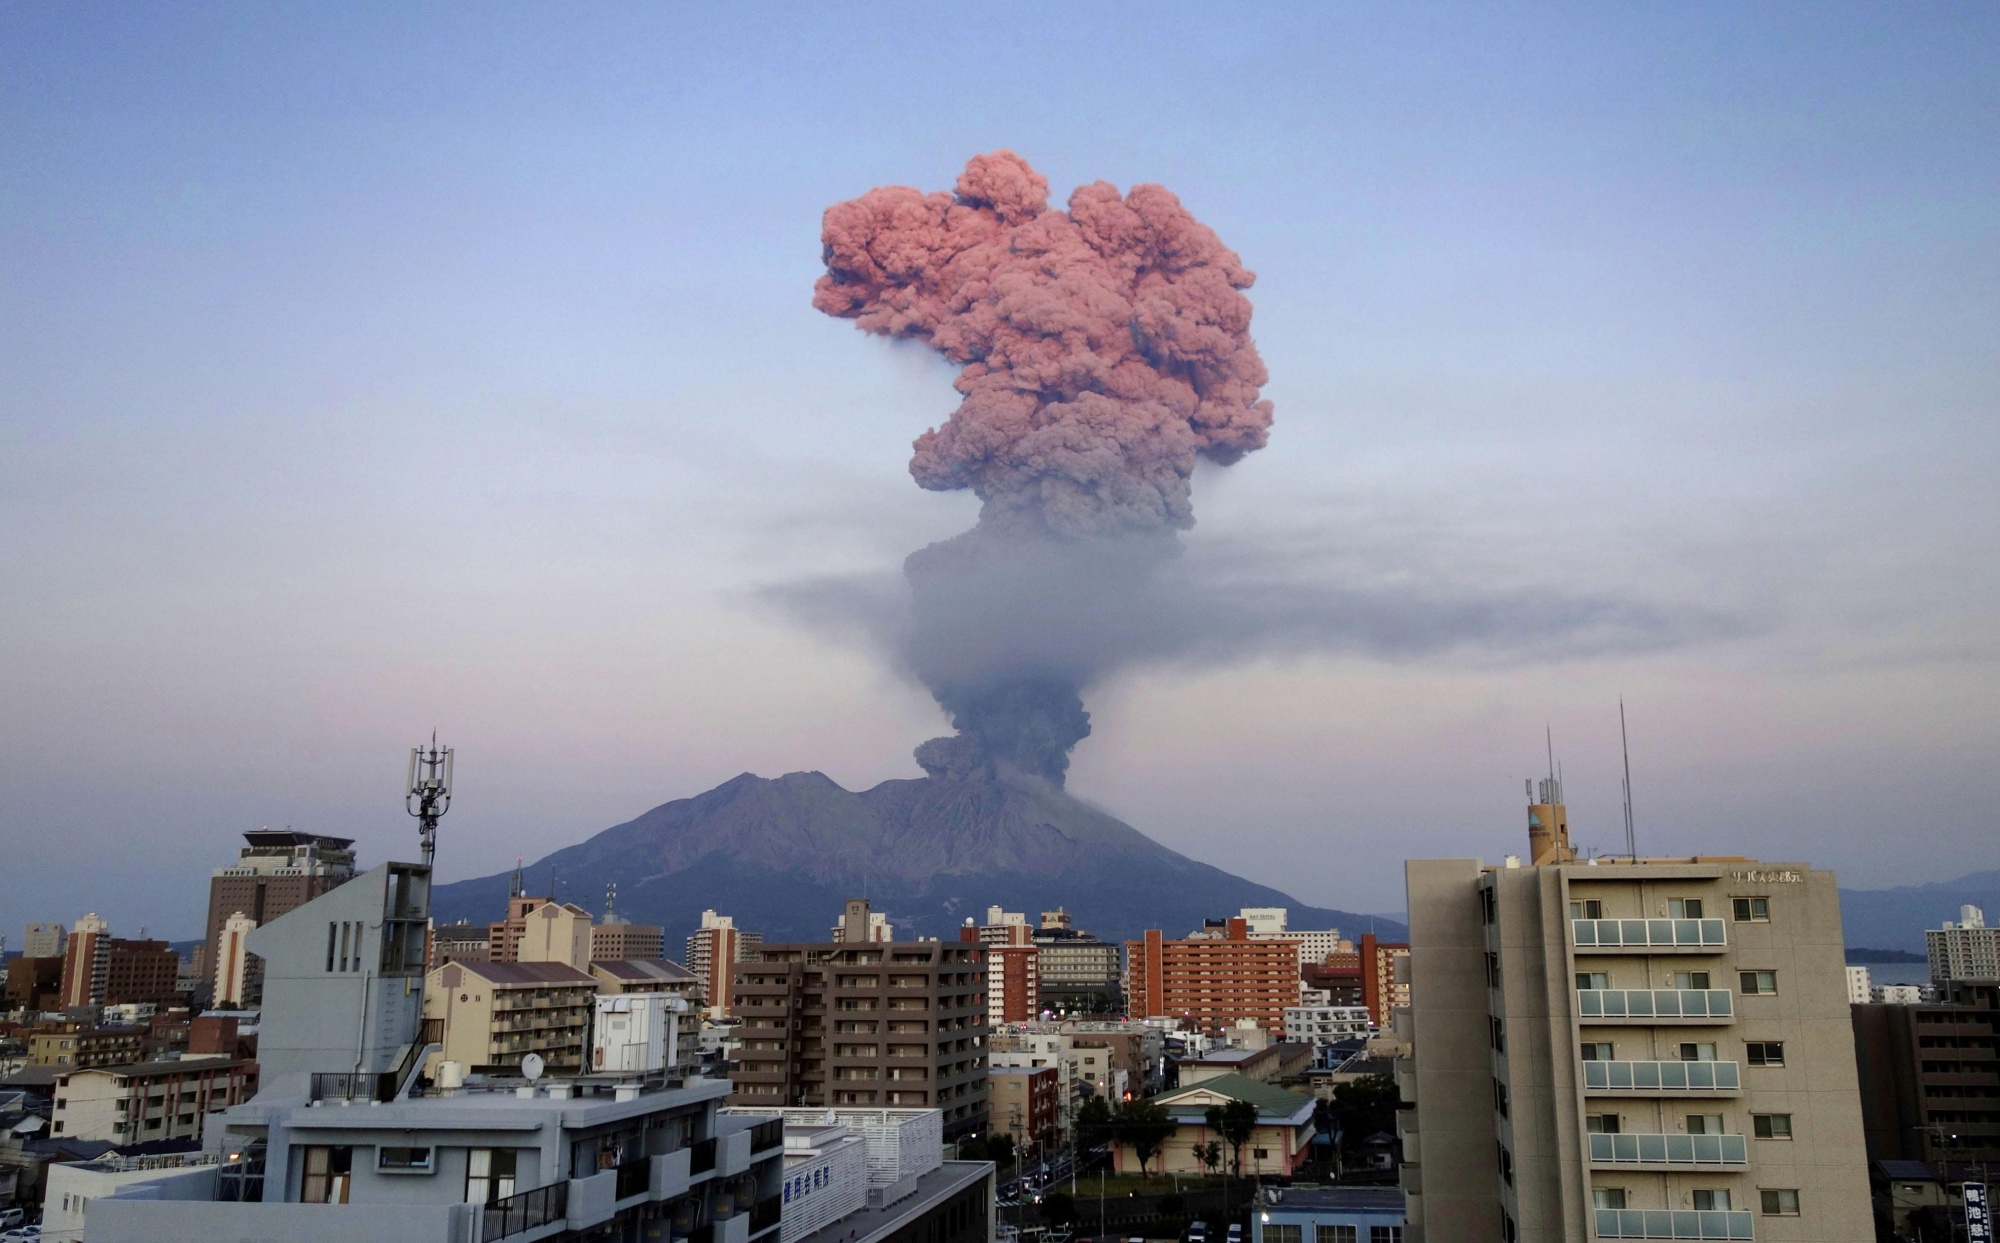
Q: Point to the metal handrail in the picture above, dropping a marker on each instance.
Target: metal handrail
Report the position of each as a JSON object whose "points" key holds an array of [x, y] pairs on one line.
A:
{"points": [[1649, 933], [1621, 1223], [1662, 1076], [1648, 1149], [524, 1211], [1654, 1003]]}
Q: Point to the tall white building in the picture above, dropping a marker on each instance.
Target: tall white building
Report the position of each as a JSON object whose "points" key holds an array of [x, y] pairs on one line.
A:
{"points": [[1857, 986], [1268, 923], [1965, 950]]}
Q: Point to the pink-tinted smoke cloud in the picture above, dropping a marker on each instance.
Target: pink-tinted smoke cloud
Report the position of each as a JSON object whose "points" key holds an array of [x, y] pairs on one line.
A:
{"points": [[1103, 350]]}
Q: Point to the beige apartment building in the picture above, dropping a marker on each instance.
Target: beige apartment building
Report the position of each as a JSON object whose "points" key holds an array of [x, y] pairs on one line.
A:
{"points": [[490, 1015], [1628, 1049]]}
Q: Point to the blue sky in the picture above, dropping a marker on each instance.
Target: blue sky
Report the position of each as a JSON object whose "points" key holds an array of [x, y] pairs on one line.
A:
{"points": [[370, 368]]}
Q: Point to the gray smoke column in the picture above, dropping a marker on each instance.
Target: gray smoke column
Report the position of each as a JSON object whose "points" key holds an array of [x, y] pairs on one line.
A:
{"points": [[1104, 349]]}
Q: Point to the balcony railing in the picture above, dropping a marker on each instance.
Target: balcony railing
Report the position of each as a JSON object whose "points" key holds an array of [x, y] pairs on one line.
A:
{"points": [[342, 1085], [1625, 1223], [767, 1135], [764, 1214], [634, 1177], [524, 1211], [1653, 1003], [1670, 1149], [1644, 934], [701, 1156], [1661, 1077]]}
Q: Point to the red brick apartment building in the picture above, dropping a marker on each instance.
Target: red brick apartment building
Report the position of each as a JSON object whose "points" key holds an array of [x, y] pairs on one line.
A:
{"points": [[1212, 983]]}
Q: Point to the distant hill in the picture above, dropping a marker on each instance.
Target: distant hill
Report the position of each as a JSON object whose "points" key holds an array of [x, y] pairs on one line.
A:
{"points": [[1896, 918], [781, 855]]}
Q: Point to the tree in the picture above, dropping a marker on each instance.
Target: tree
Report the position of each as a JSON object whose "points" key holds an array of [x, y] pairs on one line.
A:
{"points": [[997, 1148], [1093, 1123], [1058, 1209], [1366, 1106], [1210, 1155], [1144, 1127], [1235, 1122]]}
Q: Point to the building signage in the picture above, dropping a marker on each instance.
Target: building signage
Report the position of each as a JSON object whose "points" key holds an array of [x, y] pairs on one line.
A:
{"points": [[1978, 1216], [1786, 876], [799, 1186]]}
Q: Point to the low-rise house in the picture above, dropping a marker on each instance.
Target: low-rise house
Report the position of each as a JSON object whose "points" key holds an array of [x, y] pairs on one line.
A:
{"points": [[488, 1016], [72, 1045], [1328, 1215], [1277, 1144]]}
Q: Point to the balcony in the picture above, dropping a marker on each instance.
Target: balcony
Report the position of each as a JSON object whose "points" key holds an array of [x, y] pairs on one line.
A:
{"points": [[1648, 936], [528, 1210], [1669, 1150], [1624, 1223], [1661, 1078], [1654, 1005], [701, 1156]]}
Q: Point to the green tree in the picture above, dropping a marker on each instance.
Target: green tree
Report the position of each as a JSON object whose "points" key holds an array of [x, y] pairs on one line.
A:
{"points": [[1235, 1122], [1093, 1123], [1210, 1155], [1144, 1127], [1058, 1209], [1366, 1106]]}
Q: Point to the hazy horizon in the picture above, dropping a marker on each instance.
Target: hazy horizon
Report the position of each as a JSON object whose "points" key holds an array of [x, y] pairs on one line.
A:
{"points": [[390, 368]]}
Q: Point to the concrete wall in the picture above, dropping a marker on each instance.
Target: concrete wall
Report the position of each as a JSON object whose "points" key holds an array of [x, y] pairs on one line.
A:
{"points": [[121, 1220], [1453, 1071]]}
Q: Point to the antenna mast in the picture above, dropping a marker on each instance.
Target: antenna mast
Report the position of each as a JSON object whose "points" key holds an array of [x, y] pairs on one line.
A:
{"points": [[1625, 749], [427, 793]]}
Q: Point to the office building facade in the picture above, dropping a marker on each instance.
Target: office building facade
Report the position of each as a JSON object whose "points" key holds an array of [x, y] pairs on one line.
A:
{"points": [[1964, 949], [275, 871], [712, 954]]}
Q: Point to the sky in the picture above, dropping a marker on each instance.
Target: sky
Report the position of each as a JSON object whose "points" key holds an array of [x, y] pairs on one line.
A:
{"points": [[373, 369]]}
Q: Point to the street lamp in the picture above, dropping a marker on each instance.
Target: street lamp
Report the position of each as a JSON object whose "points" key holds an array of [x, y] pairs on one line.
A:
{"points": [[427, 792]]}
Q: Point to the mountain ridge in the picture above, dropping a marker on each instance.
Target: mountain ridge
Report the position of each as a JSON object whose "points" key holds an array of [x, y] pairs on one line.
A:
{"points": [[781, 854]]}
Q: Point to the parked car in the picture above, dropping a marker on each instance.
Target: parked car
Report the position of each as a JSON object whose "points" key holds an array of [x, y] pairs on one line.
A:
{"points": [[1198, 1232], [12, 1218], [1235, 1232]]}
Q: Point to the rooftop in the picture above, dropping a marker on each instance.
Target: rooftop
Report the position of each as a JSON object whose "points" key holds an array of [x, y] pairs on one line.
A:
{"points": [[1270, 1101], [523, 973], [642, 969], [280, 839], [1335, 1199], [869, 1223]]}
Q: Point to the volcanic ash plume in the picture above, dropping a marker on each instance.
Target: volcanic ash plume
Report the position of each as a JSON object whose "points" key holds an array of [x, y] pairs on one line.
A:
{"points": [[1104, 349]]}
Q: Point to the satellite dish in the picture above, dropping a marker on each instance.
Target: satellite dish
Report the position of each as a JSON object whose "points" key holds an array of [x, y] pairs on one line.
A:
{"points": [[531, 1067]]}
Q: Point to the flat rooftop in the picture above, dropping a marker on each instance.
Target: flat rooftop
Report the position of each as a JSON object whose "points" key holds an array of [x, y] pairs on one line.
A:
{"points": [[866, 1225]]}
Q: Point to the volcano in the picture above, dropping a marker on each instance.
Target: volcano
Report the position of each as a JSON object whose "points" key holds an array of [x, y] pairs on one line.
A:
{"points": [[781, 854]]}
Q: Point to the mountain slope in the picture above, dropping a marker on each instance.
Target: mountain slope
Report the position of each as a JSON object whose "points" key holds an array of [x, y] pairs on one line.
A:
{"points": [[1895, 919], [780, 855]]}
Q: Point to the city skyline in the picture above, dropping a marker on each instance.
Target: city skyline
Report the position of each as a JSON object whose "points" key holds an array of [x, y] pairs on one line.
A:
{"points": [[376, 373]]}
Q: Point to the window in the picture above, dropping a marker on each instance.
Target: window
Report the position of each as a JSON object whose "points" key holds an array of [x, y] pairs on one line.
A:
{"points": [[412, 1159], [1764, 1052], [1601, 1124], [1283, 1234], [1259, 1154], [1506, 1165], [1492, 969], [1489, 909], [1498, 1032], [1592, 979], [1754, 982], [1607, 1197], [1683, 908], [328, 1173], [1589, 908], [1335, 1234], [1597, 1051], [489, 1175], [1711, 1199], [332, 939], [1780, 1201], [1704, 1124], [1771, 1126], [1385, 1234], [1697, 1051], [1751, 910], [1500, 1097], [1689, 979]]}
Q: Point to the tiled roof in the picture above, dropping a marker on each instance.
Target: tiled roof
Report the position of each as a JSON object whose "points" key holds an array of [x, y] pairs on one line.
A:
{"points": [[523, 973], [1272, 1101]]}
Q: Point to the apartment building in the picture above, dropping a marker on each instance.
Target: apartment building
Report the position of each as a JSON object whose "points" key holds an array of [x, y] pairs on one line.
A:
{"points": [[1385, 972], [73, 1045], [616, 941], [34, 984], [1322, 1025], [1209, 984], [1026, 1103], [44, 940], [712, 954], [1013, 975], [1930, 1081], [145, 1101], [275, 871], [1622, 1049], [491, 1015], [1965, 948], [1075, 971], [1270, 923], [859, 1023], [541, 930], [460, 942]]}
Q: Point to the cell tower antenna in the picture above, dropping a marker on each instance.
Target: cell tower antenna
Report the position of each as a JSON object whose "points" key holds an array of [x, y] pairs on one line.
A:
{"points": [[1625, 750], [427, 793]]}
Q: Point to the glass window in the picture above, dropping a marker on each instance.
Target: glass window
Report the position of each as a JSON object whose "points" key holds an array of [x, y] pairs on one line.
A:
{"points": [[1690, 979], [1764, 1052], [1385, 1234], [1697, 1051], [1607, 1197], [1259, 1154], [1601, 1124], [1704, 1124], [1754, 982], [1506, 1165], [1597, 1051], [1780, 1201], [1589, 908], [1500, 1097], [328, 1173], [1750, 910], [402, 1158], [1498, 1030], [1283, 1234], [1771, 1126], [489, 1175], [1592, 979], [1684, 908], [1711, 1199], [1335, 1234]]}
